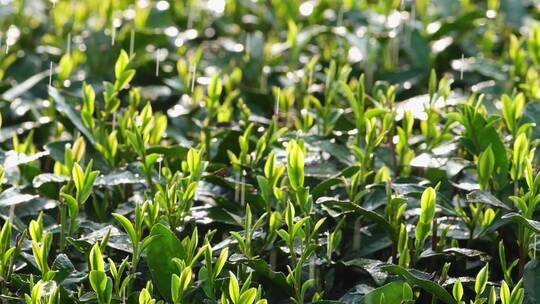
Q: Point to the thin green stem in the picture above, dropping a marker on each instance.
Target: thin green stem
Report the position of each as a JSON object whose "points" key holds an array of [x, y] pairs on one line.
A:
{"points": [[63, 222]]}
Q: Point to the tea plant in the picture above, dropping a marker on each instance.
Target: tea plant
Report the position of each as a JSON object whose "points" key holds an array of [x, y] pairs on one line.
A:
{"points": [[252, 152]]}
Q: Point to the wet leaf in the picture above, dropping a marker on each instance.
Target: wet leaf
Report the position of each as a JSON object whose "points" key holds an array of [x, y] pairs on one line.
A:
{"points": [[74, 117], [355, 294], [484, 197], [119, 177], [24, 86], [372, 267], [416, 280], [454, 251], [389, 293], [13, 196], [343, 207], [49, 178], [160, 253], [521, 220], [531, 277]]}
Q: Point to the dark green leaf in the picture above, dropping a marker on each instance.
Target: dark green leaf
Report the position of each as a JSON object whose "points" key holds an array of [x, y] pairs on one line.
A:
{"points": [[429, 286], [160, 254]]}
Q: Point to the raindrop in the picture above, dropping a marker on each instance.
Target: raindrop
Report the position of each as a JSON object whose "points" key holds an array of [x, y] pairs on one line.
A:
{"points": [[243, 189], [131, 42], [150, 48], [193, 70], [355, 54], [203, 80], [159, 160], [237, 187], [167, 68], [117, 22], [179, 41], [407, 85], [306, 8], [209, 32], [142, 3], [491, 14], [50, 74], [394, 20], [68, 46], [158, 55], [162, 5], [171, 31], [216, 6], [48, 288], [461, 67], [433, 27], [130, 14], [12, 36], [248, 44], [191, 34]]}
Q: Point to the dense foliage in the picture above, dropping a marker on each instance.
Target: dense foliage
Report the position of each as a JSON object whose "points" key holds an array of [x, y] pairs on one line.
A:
{"points": [[270, 151]]}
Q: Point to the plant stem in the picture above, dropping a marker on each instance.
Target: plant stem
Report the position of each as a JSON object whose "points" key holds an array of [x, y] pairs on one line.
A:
{"points": [[63, 222], [434, 234], [522, 251]]}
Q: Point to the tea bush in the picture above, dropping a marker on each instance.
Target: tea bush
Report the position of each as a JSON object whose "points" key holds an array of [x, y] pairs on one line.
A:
{"points": [[270, 151]]}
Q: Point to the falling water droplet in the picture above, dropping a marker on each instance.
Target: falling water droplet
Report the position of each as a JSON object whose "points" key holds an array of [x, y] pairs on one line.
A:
{"points": [[158, 54], [12, 35], [462, 66], [276, 106], [68, 46], [159, 160], [243, 189], [113, 33], [193, 69], [131, 42], [237, 187], [248, 44], [50, 74]]}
